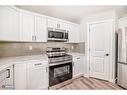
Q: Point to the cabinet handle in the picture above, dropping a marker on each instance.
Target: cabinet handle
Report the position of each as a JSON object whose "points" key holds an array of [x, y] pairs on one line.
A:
{"points": [[37, 64], [8, 71], [33, 38], [58, 25], [78, 58]]}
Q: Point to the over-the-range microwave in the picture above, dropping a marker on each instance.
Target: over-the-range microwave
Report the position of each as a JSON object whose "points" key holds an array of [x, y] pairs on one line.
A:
{"points": [[57, 35]]}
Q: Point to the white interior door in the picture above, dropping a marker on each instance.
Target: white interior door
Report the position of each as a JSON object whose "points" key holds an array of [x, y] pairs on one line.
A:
{"points": [[100, 38]]}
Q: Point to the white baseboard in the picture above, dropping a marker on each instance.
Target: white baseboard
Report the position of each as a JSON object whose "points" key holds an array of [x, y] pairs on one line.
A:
{"points": [[112, 80], [86, 75]]}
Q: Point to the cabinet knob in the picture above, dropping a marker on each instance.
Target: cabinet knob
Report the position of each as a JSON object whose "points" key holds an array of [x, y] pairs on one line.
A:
{"points": [[107, 54], [32, 38], [37, 64], [58, 25]]}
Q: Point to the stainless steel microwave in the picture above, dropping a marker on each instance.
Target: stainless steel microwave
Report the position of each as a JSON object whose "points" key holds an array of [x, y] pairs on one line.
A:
{"points": [[57, 35]]}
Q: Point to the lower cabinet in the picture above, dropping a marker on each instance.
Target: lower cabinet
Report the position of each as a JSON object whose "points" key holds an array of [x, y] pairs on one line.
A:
{"points": [[31, 75], [78, 68], [6, 78]]}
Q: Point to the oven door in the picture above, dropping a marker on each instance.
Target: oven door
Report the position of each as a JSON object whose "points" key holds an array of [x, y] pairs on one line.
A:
{"points": [[60, 73]]}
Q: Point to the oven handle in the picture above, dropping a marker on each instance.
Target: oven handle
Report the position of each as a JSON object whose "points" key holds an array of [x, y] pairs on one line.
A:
{"points": [[59, 63]]}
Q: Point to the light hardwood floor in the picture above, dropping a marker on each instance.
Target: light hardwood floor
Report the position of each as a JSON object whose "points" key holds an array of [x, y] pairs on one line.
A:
{"points": [[83, 83]]}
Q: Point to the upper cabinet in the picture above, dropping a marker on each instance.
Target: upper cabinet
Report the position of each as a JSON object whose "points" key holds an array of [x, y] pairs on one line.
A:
{"points": [[26, 26], [40, 29], [21, 25], [9, 23], [74, 33], [32, 27], [56, 24]]}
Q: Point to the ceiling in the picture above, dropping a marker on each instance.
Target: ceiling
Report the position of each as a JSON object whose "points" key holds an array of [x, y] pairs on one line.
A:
{"points": [[71, 13]]}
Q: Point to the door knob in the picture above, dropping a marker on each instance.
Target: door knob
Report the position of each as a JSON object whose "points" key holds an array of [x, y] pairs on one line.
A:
{"points": [[107, 54]]}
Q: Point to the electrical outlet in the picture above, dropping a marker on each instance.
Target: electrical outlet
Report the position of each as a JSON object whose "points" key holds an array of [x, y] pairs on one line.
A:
{"points": [[72, 47], [30, 47]]}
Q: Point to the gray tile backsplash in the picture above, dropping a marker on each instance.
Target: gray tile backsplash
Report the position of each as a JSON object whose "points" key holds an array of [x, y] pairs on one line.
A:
{"points": [[8, 49]]}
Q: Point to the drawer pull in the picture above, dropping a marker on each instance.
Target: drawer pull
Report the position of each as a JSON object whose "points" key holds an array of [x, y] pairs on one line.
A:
{"points": [[37, 64], [8, 71], [78, 58]]}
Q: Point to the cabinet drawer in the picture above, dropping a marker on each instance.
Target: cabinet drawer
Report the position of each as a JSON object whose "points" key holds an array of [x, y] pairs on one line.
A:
{"points": [[37, 64]]}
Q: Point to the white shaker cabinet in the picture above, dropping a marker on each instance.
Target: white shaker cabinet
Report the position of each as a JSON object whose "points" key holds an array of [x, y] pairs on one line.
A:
{"points": [[40, 29], [32, 27], [78, 68], [20, 79], [6, 78], [32, 74], [37, 75], [9, 23], [73, 33], [26, 27]]}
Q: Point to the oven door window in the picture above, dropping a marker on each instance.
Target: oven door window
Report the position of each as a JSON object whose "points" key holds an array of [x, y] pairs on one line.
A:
{"points": [[61, 71]]}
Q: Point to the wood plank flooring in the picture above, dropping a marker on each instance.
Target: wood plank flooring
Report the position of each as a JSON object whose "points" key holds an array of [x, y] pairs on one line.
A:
{"points": [[83, 83]]}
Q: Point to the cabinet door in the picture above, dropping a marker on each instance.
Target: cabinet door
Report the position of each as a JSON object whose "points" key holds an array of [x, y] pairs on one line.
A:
{"points": [[40, 29], [27, 27], [73, 33], [9, 24], [37, 75], [20, 76], [78, 66], [52, 23], [9, 78]]}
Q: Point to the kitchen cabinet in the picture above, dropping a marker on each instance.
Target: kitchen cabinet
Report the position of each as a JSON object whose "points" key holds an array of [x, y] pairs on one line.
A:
{"points": [[78, 68], [37, 75], [40, 29], [20, 73], [32, 74], [21, 25], [56, 24], [74, 32], [6, 78], [9, 23], [32, 27], [26, 27]]}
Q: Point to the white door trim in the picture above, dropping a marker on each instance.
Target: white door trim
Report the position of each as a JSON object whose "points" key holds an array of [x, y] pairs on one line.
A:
{"points": [[111, 72]]}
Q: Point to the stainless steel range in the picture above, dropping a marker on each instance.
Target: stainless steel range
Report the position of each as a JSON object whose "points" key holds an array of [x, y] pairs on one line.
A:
{"points": [[60, 65]]}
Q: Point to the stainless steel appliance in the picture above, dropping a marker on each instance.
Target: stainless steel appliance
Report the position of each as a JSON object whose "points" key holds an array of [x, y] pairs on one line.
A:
{"points": [[6, 78], [60, 66], [57, 35], [122, 58]]}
